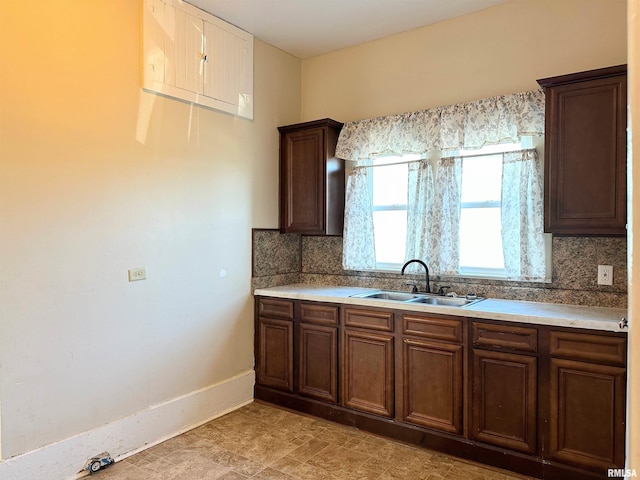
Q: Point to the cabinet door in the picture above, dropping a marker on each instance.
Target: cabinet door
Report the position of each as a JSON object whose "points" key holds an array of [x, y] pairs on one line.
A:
{"points": [[317, 367], [504, 400], [303, 181], [173, 49], [228, 69], [275, 353], [433, 382], [585, 157], [587, 414], [367, 374]]}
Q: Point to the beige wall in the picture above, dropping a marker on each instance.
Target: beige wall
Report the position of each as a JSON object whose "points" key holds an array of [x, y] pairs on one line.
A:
{"points": [[97, 177], [495, 51]]}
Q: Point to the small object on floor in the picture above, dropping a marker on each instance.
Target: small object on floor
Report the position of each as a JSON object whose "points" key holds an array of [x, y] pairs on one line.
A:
{"points": [[98, 462]]}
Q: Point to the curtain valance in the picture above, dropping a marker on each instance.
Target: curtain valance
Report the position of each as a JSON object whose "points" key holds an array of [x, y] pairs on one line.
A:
{"points": [[469, 125]]}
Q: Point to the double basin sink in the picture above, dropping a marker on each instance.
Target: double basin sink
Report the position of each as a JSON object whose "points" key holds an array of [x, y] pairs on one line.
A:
{"points": [[420, 298]]}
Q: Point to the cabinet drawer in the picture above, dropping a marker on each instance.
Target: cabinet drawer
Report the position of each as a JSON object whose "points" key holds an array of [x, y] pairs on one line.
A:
{"points": [[505, 337], [435, 328], [314, 313], [274, 308], [373, 319], [584, 346]]}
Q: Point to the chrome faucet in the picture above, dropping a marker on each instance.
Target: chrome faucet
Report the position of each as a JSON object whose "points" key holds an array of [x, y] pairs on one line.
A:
{"points": [[415, 260]]}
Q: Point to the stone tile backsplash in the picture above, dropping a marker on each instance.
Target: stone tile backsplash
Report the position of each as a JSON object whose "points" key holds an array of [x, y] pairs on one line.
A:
{"points": [[275, 254], [322, 255], [281, 259]]}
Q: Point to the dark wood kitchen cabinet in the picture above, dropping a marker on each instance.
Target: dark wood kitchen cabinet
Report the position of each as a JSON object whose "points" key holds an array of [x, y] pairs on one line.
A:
{"points": [[433, 378], [274, 362], [585, 152], [312, 179], [587, 399], [544, 401], [505, 379], [368, 361], [318, 351]]}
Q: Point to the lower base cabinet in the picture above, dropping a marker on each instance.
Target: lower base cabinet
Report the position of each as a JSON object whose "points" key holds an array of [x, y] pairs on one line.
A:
{"points": [[433, 374], [368, 374], [274, 343], [317, 362], [587, 395], [275, 362], [433, 385], [543, 401], [587, 414], [505, 399]]}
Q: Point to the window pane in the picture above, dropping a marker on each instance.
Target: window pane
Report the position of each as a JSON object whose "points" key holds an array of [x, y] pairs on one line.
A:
{"points": [[390, 185], [481, 179], [480, 240], [390, 227]]}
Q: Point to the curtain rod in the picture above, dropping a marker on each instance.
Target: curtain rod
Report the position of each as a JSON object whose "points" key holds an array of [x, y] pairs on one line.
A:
{"points": [[448, 156]]}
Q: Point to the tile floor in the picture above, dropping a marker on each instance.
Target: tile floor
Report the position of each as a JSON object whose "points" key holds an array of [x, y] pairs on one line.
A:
{"points": [[262, 441]]}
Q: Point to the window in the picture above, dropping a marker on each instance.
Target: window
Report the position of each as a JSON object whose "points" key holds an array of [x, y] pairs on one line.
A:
{"points": [[389, 204], [435, 216], [480, 239], [480, 210], [480, 226]]}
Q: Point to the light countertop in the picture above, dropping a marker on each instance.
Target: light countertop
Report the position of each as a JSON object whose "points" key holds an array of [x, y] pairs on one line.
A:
{"points": [[553, 314]]}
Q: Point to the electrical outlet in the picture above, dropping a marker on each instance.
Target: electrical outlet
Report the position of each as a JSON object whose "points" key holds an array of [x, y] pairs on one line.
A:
{"points": [[605, 274], [137, 274]]}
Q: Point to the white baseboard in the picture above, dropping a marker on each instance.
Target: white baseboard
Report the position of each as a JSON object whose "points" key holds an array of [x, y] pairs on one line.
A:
{"points": [[127, 436]]}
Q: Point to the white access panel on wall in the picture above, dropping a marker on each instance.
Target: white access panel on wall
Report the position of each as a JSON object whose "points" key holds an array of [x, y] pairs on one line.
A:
{"points": [[194, 56]]}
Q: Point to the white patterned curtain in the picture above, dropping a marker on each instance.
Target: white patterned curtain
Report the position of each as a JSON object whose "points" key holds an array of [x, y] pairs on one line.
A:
{"points": [[444, 233], [420, 197], [434, 207], [522, 216], [467, 125], [358, 238]]}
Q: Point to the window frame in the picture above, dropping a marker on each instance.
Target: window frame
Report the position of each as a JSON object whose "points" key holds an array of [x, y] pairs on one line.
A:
{"points": [[474, 155], [390, 161], [463, 271]]}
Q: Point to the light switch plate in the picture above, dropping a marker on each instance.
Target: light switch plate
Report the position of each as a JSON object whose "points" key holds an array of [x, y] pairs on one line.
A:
{"points": [[605, 274]]}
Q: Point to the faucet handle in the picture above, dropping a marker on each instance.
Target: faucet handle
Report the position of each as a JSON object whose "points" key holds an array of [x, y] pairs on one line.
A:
{"points": [[441, 290], [414, 286]]}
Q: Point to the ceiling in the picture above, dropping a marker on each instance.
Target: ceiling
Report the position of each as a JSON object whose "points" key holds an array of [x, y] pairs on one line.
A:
{"points": [[306, 28]]}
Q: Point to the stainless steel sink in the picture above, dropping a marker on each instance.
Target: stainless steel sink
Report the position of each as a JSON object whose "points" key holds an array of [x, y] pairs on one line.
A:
{"points": [[425, 298], [446, 301], [397, 296]]}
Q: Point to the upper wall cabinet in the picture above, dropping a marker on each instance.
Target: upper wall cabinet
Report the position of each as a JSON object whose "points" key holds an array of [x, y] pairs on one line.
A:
{"points": [[194, 56], [311, 179], [585, 152]]}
